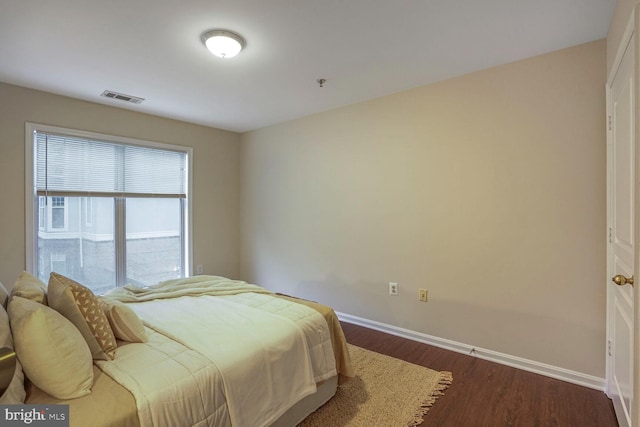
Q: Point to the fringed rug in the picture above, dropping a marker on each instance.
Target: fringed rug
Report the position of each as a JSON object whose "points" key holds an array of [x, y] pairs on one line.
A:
{"points": [[386, 392]]}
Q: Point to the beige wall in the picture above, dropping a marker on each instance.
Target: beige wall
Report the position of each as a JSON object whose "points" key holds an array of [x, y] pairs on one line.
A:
{"points": [[488, 190], [215, 171]]}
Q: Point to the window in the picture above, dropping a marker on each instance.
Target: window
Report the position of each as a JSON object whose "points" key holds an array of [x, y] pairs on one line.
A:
{"points": [[59, 263], [104, 210], [57, 213], [52, 214]]}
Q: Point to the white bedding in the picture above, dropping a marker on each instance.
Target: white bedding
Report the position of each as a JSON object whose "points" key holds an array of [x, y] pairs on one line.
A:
{"points": [[263, 354], [166, 377]]}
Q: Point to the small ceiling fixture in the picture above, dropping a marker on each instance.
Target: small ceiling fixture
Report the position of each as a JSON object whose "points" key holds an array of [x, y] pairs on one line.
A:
{"points": [[223, 43]]}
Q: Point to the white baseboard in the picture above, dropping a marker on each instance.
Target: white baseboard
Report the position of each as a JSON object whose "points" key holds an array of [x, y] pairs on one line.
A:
{"points": [[482, 353]]}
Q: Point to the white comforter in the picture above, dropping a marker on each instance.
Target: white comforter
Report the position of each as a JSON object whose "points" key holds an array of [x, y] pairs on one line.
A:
{"points": [[172, 384], [265, 353]]}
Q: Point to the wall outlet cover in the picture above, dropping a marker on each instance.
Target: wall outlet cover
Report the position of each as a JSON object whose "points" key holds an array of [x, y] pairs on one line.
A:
{"points": [[393, 288]]}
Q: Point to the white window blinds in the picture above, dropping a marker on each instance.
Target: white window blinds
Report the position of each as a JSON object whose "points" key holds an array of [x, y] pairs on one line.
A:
{"points": [[68, 165]]}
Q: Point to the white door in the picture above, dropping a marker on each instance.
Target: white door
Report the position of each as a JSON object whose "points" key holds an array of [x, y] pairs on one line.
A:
{"points": [[622, 251]]}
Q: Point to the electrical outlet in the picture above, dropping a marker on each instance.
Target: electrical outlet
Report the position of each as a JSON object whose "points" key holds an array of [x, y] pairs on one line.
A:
{"points": [[423, 295], [393, 288], [199, 269]]}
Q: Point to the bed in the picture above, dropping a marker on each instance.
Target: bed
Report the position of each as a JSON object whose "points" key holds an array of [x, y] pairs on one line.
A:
{"points": [[200, 351]]}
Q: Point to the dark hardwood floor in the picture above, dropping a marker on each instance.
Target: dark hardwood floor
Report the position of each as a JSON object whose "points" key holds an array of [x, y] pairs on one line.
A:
{"points": [[489, 394]]}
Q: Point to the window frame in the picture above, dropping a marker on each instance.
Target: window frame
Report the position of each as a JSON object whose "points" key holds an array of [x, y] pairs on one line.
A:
{"points": [[87, 205], [32, 225], [41, 205]]}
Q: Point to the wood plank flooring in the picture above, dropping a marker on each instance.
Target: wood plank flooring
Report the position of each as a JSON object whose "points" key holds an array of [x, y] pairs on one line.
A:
{"points": [[489, 394]]}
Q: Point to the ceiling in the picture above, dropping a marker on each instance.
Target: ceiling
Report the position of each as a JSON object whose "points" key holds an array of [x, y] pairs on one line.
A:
{"points": [[363, 48]]}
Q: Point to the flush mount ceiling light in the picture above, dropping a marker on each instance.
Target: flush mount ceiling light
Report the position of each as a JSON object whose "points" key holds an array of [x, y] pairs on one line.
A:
{"points": [[223, 43]]}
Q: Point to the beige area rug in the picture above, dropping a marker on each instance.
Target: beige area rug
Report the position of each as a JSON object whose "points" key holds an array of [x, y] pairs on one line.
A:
{"points": [[386, 392]]}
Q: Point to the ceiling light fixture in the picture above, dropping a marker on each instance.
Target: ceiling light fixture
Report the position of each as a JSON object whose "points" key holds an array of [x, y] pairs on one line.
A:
{"points": [[223, 43]]}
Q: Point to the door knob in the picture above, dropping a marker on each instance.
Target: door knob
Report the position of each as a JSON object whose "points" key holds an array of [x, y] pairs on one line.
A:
{"points": [[620, 280]]}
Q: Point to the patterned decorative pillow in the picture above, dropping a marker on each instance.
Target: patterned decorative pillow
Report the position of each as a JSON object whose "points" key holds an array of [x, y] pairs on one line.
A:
{"points": [[52, 352], [15, 393], [78, 304], [30, 287], [125, 323]]}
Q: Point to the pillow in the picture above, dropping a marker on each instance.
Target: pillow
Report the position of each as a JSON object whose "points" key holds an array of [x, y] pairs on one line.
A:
{"points": [[78, 304], [125, 323], [15, 393], [51, 350], [4, 295], [30, 287]]}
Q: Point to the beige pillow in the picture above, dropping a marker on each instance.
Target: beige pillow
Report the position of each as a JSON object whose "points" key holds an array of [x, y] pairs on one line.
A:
{"points": [[30, 287], [4, 295], [78, 304], [52, 352], [15, 393], [125, 323]]}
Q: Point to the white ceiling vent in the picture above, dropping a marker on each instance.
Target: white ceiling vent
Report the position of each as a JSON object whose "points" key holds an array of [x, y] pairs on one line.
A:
{"points": [[122, 97]]}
